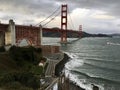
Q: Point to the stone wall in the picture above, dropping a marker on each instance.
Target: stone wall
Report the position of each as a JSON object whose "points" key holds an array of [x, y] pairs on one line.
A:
{"points": [[49, 49]]}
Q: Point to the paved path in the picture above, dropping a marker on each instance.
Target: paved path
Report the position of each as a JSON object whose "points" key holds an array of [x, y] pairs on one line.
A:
{"points": [[51, 68], [49, 74], [55, 80], [52, 61]]}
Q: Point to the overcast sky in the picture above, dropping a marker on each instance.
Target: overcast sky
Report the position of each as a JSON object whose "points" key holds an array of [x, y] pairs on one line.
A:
{"points": [[96, 16]]}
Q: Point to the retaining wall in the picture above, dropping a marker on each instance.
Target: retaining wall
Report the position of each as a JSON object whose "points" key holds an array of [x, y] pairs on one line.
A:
{"points": [[49, 49]]}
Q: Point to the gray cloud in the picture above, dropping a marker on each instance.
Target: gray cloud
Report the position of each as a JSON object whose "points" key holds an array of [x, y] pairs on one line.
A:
{"points": [[110, 6], [43, 7], [27, 6], [20, 10]]}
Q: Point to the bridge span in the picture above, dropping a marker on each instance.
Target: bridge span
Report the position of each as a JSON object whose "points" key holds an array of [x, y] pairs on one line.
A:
{"points": [[12, 34]]}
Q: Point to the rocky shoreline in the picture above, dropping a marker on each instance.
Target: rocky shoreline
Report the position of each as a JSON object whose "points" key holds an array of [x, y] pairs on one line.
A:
{"points": [[59, 70], [60, 66]]}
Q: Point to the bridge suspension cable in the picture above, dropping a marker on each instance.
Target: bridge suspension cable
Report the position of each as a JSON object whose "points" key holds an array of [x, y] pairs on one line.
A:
{"points": [[51, 19], [48, 16], [71, 20]]}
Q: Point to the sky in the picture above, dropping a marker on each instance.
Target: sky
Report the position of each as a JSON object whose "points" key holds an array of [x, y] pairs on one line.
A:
{"points": [[95, 16]]}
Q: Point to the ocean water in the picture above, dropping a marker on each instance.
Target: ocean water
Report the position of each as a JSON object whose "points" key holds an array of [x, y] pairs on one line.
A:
{"points": [[92, 61]]}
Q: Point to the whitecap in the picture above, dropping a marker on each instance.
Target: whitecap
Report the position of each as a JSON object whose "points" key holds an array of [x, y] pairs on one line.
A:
{"points": [[74, 61], [111, 43]]}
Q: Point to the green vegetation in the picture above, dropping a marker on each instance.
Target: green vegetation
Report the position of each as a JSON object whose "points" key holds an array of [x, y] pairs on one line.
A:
{"points": [[25, 79], [19, 68], [2, 49]]}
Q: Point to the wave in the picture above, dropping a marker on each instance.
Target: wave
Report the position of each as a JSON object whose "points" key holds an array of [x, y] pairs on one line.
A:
{"points": [[82, 82], [72, 41], [79, 82], [88, 82], [74, 61], [105, 65], [71, 55], [94, 77], [111, 43], [102, 68], [102, 60]]}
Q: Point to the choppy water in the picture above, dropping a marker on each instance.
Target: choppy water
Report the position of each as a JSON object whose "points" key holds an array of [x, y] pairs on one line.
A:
{"points": [[93, 61]]}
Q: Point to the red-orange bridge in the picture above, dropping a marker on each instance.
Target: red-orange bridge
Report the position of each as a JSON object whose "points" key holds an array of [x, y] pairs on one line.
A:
{"points": [[13, 34]]}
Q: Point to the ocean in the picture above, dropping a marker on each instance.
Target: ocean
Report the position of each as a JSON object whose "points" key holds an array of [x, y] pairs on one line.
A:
{"points": [[92, 61]]}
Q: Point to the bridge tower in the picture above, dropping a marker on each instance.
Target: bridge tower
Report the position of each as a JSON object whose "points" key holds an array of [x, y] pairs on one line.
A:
{"points": [[64, 23], [80, 31]]}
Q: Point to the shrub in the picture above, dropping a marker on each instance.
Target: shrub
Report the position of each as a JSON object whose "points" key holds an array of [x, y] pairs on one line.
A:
{"points": [[26, 79], [15, 86], [30, 54], [2, 49], [38, 70]]}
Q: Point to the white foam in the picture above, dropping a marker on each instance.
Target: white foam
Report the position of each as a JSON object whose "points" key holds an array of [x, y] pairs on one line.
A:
{"points": [[111, 43], [80, 82], [75, 62], [71, 55]]}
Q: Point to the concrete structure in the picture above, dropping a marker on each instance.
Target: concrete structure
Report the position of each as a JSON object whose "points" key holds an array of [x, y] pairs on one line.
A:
{"points": [[48, 49], [2, 35], [30, 33], [11, 34]]}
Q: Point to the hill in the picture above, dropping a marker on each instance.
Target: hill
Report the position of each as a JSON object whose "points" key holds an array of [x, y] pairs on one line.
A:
{"points": [[72, 35], [116, 35]]}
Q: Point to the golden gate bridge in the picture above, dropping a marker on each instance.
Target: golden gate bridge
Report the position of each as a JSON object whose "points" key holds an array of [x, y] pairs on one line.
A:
{"points": [[13, 34]]}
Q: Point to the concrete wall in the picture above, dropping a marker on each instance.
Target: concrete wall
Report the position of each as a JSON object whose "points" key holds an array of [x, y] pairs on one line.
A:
{"points": [[10, 37], [48, 49], [12, 30], [2, 39]]}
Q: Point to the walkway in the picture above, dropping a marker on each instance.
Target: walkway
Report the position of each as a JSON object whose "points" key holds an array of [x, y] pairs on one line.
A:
{"points": [[54, 81], [52, 61], [50, 68]]}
